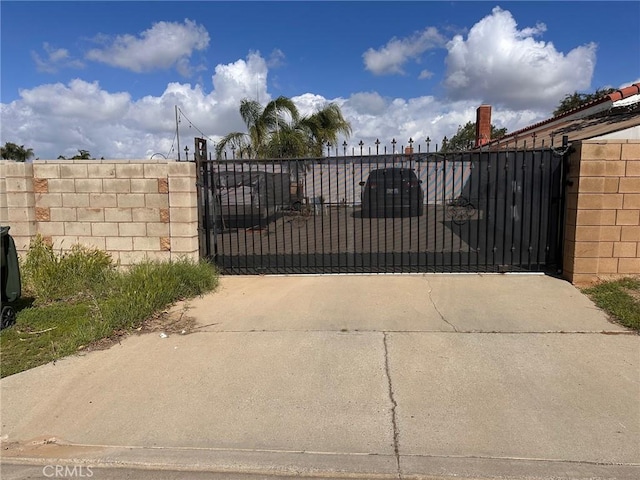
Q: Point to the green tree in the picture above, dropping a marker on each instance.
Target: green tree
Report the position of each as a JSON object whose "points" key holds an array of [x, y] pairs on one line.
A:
{"points": [[575, 100], [323, 127], [277, 131], [261, 124], [465, 138], [12, 151], [82, 155]]}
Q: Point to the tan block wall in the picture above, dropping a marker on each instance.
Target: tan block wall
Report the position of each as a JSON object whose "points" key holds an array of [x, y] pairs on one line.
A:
{"points": [[17, 205], [123, 207], [4, 210], [602, 227]]}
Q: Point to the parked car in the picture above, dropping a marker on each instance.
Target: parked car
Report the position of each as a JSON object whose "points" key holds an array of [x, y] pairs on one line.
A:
{"points": [[392, 192]]}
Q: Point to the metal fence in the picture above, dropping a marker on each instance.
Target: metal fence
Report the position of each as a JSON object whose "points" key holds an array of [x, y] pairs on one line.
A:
{"points": [[469, 211]]}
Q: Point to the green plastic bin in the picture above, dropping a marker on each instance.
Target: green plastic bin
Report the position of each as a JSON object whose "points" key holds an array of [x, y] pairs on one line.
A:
{"points": [[10, 276]]}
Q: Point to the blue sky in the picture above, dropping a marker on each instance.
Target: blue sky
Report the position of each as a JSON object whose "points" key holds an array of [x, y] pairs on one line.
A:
{"points": [[105, 76]]}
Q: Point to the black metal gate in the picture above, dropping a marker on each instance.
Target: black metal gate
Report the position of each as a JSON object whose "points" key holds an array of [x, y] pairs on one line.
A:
{"points": [[420, 212]]}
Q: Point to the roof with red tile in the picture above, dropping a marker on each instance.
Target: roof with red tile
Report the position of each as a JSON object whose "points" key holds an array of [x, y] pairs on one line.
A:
{"points": [[599, 117]]}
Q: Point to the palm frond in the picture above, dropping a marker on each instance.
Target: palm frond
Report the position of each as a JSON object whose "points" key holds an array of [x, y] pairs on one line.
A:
{"points": [[235, 140], [250, 111], [276, 109]]}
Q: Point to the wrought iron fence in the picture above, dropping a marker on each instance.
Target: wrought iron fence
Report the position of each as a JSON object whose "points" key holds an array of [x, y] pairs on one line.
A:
{"points": [[387, 212]]}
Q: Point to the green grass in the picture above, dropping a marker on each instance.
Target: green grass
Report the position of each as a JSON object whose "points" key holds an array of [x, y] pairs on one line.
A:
{"points": [[620, 299], [74, 299]]}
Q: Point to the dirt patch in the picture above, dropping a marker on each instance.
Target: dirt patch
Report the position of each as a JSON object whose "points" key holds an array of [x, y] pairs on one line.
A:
{"points": [[174, 320], [171, 321], [103, 343], [635, 294], [43, 448]]}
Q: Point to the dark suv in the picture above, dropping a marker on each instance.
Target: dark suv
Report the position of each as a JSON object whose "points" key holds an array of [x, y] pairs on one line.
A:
{"points": [[392, 192]]}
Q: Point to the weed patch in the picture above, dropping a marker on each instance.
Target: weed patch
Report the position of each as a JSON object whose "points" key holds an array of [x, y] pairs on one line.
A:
{"points": [[69, 276], [80, 298], [620, 299]]}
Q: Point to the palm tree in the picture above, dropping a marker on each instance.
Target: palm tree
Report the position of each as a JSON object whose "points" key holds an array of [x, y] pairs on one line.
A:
{"points": [[82, 155], [324, 126], [262, 124], [12, 151], [277, 131], [289, 141]]}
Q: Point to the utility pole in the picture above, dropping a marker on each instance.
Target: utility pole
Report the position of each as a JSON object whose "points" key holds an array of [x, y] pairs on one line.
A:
{"points": [[177, 132]]}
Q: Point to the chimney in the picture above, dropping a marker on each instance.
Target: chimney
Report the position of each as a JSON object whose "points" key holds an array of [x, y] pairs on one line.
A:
{"points": [[483, 125]]}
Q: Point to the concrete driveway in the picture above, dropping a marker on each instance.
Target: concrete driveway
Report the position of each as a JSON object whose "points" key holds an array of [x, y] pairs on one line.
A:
{"points": [[413, 376]]}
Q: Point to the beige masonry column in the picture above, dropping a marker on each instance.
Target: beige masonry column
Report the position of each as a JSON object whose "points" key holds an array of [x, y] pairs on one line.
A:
{"points": [[18, 204], [183, 210], [602, 227]]}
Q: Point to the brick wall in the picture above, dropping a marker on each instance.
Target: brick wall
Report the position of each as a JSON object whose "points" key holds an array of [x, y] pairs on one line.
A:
{"points": [[602, 228], [131, 209]]}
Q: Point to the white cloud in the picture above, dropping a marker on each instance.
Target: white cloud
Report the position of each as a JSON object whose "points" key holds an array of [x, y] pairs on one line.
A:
{"points": [[241, 79], [402, 119], [501, 65], [628, 84], [425, 74], [80, 100], [368, 103], [374, 117], [309, 103], [163, 46], [54, 59], [398, 51], [58, 119], [276, 59]]}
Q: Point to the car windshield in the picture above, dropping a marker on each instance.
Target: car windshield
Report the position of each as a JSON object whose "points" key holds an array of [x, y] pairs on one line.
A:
{"points": [[394, 174]]}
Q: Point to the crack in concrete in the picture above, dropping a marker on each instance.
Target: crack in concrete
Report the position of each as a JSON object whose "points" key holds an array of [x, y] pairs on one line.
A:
{"points": [[394, 405], [436, 307]]}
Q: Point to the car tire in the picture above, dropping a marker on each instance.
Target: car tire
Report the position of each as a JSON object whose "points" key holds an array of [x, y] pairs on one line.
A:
{"points": [[8, 317]]}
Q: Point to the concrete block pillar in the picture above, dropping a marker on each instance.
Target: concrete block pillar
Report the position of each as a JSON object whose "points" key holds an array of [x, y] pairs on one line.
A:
{"points": [[18, 206], [183, 211]]}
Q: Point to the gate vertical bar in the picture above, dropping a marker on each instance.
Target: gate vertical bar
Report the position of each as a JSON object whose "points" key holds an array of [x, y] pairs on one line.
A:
{"points": [[523, 170], [540, 205], [353, 213], [337, 209], [244, 215], [322, 231], [506, 209], [514, 204], [451, 196], [444, 204], [563, 183], [531, 202], [203, 208]]}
